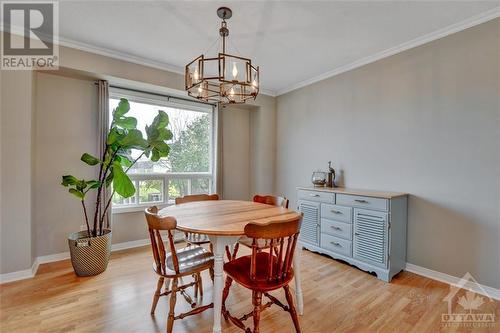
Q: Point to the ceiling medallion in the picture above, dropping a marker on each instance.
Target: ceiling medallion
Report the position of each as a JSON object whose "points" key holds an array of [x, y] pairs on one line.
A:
{"points": [[224, 79]]}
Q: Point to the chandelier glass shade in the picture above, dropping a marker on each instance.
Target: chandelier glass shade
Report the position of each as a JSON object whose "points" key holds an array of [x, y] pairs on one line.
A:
{"points": [[225, 78]]}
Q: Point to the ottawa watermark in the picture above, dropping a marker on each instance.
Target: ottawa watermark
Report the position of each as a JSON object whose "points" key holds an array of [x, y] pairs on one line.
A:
{"points": [[467, 308], [30, 33]]}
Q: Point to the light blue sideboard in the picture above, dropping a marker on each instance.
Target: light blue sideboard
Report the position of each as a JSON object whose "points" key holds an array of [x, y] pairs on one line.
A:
{"points": [[364, 228]]}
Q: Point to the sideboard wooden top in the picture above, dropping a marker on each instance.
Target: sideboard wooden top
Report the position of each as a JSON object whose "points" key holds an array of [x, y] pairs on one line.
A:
{"points": [[366, 193]]}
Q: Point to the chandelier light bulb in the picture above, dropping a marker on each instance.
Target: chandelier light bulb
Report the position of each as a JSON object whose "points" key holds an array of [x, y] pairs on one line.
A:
{"points": [[200, 89], [235, 71], [231, 92], [254, 83], [196, 75]]}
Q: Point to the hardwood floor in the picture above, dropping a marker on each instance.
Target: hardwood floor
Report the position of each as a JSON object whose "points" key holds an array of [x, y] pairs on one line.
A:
{"points": [[338, 298]]}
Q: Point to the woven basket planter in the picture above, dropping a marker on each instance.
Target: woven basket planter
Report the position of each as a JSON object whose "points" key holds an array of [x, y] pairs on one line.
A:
{"points": [[89, 256]]}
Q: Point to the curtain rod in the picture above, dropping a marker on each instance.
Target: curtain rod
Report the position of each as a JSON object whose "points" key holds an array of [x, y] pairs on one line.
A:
{"points": [[162, 95]]}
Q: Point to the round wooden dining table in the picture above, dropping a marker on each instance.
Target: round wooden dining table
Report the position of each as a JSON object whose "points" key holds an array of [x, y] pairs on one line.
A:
{"points": [[224, 222]]}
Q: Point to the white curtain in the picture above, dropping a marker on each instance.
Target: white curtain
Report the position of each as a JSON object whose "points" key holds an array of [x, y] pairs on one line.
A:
{"points": [[103, 123]]}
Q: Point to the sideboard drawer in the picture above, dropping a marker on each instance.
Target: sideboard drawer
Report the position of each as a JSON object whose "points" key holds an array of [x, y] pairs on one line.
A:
{"points": [[363, 202], [338, 229], [316, 196], [337, 213], [335, 244]]}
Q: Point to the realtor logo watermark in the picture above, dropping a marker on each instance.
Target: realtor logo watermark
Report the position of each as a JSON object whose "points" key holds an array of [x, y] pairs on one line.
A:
{"points": [[30, 33], [469, 310]]}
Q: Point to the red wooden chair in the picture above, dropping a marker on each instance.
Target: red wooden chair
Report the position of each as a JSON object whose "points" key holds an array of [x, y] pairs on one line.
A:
{"points": [[263, 272]]}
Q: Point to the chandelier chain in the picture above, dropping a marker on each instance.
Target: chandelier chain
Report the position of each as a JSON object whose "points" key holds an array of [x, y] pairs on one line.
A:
{"points": [[234, 45], [212, 45]]}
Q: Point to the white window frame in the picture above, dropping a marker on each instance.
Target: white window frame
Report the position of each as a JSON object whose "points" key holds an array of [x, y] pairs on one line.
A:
{"points": [[173, 102]]}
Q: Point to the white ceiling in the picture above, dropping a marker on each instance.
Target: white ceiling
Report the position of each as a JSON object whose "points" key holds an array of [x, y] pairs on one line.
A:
{"points": [[292, 42]]}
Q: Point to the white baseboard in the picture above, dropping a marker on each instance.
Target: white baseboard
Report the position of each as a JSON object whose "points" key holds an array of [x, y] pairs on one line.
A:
{"points": [[454, 281], [130, 245], [29, 273], [52, 258], [19, 275]]}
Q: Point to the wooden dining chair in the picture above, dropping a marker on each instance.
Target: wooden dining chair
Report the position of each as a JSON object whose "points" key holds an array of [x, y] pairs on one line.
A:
{"points": [[189, 237], [173, 265], [265, 199], [263, 272], [193, 238], [271, 200]]}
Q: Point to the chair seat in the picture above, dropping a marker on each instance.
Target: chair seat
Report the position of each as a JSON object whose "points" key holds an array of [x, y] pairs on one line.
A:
{"points": [[197, 239], [191, 259], [239, 271]]}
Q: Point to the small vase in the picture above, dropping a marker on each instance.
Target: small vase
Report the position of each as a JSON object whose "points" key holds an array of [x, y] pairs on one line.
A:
{"points": [[89, 255]]}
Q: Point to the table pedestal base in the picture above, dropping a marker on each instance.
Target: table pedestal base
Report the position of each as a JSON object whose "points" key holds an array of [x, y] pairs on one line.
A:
{"points": [[219, 244]]}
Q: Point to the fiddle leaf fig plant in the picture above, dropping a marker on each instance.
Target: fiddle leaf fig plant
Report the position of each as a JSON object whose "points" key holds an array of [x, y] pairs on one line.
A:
{"points": [[123, 137]]}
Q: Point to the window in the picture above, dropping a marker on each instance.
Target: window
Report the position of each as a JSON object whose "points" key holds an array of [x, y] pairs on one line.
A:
{"points": [[189, 168]]}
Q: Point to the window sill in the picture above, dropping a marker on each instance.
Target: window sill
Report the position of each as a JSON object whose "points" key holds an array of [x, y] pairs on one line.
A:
{"points": [[136, 208]]}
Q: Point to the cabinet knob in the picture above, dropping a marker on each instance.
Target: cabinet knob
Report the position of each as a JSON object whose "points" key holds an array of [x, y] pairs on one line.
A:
{"points": [[336, 211], [336, 228], [356, 233], [314, 195], [335, 243]]}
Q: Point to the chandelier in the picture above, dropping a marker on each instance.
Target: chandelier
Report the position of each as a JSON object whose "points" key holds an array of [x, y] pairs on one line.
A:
{"points": [[225, 78]]}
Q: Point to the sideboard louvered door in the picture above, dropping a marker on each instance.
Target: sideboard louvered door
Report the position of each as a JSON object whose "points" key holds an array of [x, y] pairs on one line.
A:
{"points": [[309, 231], [370, 237]]}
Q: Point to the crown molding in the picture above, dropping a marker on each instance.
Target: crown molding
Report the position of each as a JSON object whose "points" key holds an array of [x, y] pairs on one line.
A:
{"points": [[451, 29], [120, 55]]}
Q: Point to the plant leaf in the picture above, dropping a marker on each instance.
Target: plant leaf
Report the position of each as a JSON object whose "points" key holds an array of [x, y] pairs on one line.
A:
{"points": [[134, 139], [76, 193], [127, 122], [121, 182], [89, 159], [68, 180], [114, 135], [122, 108], [81, 185], [155, 155], [93, 184], [124, 160], [161, 120], [165, 134]]}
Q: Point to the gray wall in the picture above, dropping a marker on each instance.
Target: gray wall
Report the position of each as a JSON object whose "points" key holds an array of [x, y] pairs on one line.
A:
{"points": [[426, 122], [66, 127], [236, 176], [16, 159]]}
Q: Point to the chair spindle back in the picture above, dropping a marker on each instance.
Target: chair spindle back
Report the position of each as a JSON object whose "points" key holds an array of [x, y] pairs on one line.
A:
{"points": [[282, 238], [157, 223], [271, 200], [196, 197]]}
